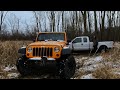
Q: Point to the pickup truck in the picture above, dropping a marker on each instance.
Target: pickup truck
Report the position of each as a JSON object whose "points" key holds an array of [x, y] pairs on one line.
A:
{"points": [[83, 43]]}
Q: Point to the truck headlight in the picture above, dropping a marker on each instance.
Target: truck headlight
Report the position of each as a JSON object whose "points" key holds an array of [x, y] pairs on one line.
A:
{"points": [[56, 49], [29, 49]]}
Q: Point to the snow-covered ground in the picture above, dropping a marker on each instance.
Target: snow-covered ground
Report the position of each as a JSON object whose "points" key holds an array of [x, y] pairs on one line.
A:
{"points": [[89, 65], [88, 76]]}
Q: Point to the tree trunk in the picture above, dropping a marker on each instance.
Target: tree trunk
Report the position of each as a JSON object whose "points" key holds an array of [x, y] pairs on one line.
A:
{"points": [[85, 24], [95, 21], [62, 20]]}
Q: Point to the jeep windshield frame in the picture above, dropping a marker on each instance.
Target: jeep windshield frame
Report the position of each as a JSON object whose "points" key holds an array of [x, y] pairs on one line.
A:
{"points": [[51, 37]]}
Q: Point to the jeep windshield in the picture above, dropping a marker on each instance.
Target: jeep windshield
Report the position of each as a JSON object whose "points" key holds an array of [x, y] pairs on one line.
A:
{"points": [[51, 37]]}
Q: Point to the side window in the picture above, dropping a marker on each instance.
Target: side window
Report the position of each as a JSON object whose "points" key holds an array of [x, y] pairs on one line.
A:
{"points": [[84, 39], [77, 40]]}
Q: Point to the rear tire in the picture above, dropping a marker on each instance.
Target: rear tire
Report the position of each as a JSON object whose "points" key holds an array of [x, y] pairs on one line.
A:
{"points": [[103, 49], [68, 69], [22, 67]]}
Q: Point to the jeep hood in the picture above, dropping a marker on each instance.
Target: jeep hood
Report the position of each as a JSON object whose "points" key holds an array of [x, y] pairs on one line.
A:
{"points": [[48, 43]]}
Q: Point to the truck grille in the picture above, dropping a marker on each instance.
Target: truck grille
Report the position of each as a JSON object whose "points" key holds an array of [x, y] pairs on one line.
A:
{"points": [[42, 51]]}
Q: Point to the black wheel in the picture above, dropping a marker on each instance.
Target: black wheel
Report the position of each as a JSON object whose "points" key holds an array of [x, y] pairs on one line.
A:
{"points": [[68, 68], [103, 49], [22, 68]]}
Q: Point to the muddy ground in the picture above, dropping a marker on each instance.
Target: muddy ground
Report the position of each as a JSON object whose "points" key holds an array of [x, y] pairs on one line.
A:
{"points": [[105, 65], [85, 62]]}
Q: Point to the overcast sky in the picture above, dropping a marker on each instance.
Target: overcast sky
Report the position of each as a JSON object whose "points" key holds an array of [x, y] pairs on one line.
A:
{"points": [[28, 17], [23, 15]]}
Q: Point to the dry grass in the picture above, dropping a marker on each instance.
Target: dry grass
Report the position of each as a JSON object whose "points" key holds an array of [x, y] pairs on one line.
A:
{"points": [[9, 54], [3, 75], [108, 68], [105, 72], [78, 74], [9, 51]]}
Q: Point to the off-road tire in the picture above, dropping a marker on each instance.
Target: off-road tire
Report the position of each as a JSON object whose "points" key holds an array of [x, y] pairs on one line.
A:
{"points": [[69, 67], [22, 68]]}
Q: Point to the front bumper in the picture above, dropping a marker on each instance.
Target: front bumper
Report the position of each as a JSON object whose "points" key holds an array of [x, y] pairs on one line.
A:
{"points": [[40, 59], [42, 63]]}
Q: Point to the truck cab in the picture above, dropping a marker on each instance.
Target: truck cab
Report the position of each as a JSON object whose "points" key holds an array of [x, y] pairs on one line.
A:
{"points": [[81, 43]]}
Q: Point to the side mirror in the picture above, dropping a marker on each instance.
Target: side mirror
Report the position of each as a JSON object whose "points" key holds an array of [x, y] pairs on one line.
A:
{"points": [[68, 42], [33, 40]]}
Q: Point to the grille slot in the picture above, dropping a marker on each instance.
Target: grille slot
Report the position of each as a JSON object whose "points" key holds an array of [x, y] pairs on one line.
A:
{"points": [[42, 51]]}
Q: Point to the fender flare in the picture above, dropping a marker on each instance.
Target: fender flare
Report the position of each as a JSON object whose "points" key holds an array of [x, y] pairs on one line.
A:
{"points": [[66, 51], [22, 50]]}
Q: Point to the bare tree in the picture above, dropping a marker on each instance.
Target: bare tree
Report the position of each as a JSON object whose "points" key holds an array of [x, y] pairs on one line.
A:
{"points": [[58, 21], [89, 21], [73, 20], [38, 17], [95, 21], [14, 24], [80, 20], [45, 27], [84, 14], [63, 21], [51, 18], [2, 18], [37, 20], [110, 17], [102, 23], [27, 28]]}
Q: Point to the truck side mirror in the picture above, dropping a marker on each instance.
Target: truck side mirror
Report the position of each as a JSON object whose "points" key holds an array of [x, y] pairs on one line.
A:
{"points": [[68, 42]]}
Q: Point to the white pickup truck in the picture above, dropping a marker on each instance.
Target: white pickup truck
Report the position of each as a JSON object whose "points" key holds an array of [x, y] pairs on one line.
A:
{"points": [[83, 43]]}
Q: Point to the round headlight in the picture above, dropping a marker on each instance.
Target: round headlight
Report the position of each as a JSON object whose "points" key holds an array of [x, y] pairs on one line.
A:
{"points": [[29, 49], [56, 49]]}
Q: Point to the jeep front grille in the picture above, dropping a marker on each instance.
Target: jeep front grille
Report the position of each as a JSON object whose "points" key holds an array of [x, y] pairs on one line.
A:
{"points": [[42, 51]]}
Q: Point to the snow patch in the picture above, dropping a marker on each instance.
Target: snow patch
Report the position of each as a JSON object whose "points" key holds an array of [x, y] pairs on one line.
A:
{"points": [[9, 68], [12, 75], [84, 58], [91, 67], [98, 59], [93, 60], [89, 76], [116, 73]]}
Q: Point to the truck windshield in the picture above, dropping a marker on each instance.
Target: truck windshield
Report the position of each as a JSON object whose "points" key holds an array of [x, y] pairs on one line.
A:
{"points": [[51, 36]]}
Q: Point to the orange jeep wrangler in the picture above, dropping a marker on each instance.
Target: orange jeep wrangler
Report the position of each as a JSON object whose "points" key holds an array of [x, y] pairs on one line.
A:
{"points": [[49, 51]]}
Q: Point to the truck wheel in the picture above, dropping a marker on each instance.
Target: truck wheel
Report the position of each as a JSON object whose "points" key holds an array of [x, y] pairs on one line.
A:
{"points": [[103, 49], [22, 67], [69, 68]]}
